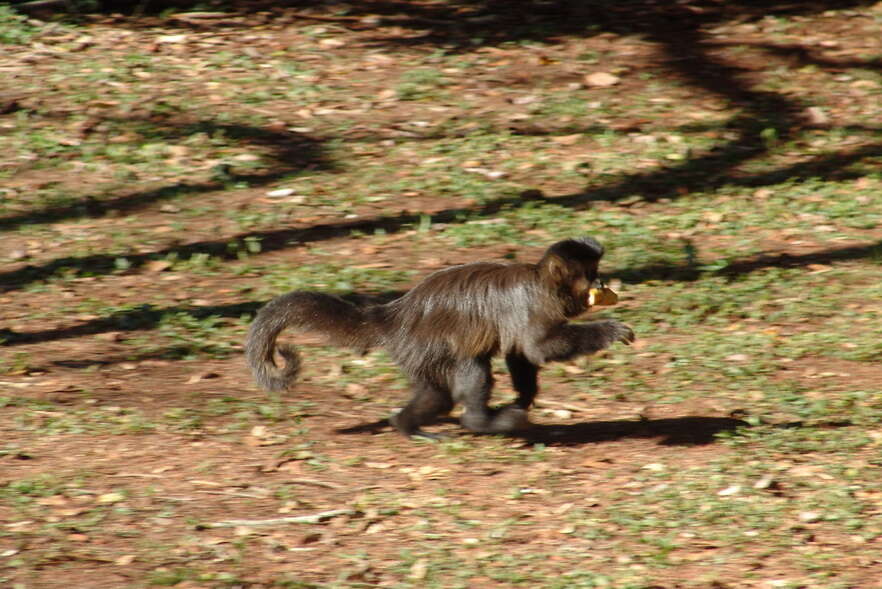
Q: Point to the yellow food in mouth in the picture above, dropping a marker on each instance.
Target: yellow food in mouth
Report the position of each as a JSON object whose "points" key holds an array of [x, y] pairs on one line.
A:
{"points": [[602, 297]]}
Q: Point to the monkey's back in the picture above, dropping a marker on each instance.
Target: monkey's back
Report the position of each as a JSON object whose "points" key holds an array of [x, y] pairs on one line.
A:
{"points": [[471, 310]]}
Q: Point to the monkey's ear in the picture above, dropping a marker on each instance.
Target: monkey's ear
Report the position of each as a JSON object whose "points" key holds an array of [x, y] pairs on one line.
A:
{"points": [[557, 270]]}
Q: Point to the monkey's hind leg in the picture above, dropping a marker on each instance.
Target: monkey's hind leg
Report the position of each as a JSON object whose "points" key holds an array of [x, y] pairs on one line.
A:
{"points": [[427, 404], [472, 384]]}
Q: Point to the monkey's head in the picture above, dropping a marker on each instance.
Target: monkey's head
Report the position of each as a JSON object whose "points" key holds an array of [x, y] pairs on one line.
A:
{"points": [[569, 267]]}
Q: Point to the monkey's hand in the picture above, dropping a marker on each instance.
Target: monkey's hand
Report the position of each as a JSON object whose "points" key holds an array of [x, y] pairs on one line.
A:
{"points": [[624, 333], [606, 332]]}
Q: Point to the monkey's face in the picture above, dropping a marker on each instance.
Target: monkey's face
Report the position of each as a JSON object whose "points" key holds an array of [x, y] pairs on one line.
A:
{"points": [[570, 267], [575, 287], [583, 278], [591, 273]]}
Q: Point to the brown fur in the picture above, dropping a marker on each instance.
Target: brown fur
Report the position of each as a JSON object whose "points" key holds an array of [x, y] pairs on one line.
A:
{"points": [[444, 331]]}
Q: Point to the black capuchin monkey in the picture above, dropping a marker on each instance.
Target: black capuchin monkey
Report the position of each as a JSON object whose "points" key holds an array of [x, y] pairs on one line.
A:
{"points": [[443, 332]]}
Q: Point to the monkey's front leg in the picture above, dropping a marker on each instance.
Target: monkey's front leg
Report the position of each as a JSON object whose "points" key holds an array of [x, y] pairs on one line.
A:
{"points": [[568, 340], [524, 378]]}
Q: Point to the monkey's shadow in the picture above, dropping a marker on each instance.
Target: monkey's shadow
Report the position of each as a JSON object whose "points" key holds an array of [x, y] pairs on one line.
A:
{"points": [[675, 431]]}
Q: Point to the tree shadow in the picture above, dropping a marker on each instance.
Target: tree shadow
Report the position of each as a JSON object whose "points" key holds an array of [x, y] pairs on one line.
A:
{"points": [[467, 23], [679, 31], [290, 152], [801, 56], [654, 185], [148, 316]]}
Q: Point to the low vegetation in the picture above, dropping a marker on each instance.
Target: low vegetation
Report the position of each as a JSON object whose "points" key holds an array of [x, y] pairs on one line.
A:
{"points": [[164, 174]]}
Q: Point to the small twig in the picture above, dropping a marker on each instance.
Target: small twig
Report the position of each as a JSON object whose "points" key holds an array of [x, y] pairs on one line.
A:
{"points": [[571, 407], [201, 15], [137, 474], [38, 4], [371, 487], [339, 413], [322, 17], [404, 18], [299, 519], [232, 494], [314, 482], [205, 19]]}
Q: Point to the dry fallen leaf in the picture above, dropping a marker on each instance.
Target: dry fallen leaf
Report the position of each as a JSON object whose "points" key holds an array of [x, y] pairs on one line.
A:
{"points": [[816, 115], [281, 192], [171, 38], [108, 498], [202, 376], [78, 537], [595, 463], [53, 501], [602, 79], [157, 265], [567, 139], [419, 569], [332, 43]]}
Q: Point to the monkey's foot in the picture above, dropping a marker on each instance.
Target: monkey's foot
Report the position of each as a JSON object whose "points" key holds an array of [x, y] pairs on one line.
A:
{"points": [[410, 427], [511, 418], [507, 419]]}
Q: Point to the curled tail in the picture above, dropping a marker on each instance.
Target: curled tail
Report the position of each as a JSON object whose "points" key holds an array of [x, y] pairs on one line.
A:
{"points": [[342, 322]]}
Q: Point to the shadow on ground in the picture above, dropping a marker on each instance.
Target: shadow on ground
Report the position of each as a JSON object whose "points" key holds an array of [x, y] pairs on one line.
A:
{"points": [[677, 431], [290, 152]]}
